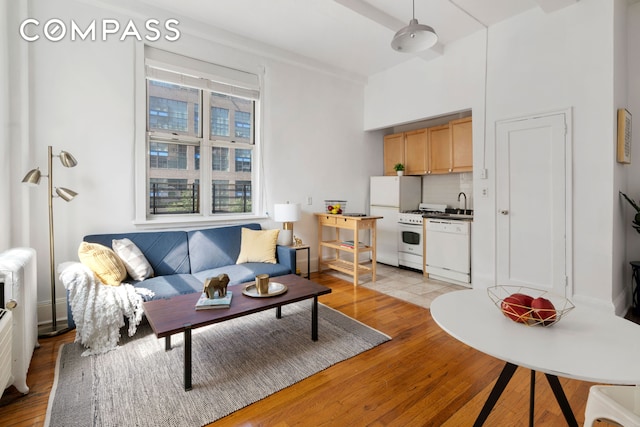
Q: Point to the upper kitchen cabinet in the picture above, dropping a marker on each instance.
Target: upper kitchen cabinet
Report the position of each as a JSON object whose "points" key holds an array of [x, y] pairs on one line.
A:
{"points": [[393, 152], [461, 145], [416, 152], [439, 149]]}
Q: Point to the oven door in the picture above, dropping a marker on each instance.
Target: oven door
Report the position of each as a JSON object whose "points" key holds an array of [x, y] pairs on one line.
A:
{"points": [[410, 240]]}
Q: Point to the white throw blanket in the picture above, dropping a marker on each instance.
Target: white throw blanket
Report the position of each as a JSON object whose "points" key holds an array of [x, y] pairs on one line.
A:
{"points": [[99, 310]]}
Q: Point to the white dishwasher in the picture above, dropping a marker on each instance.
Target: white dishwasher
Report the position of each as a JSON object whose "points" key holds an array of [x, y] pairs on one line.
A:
{"points": [[448, 250]]}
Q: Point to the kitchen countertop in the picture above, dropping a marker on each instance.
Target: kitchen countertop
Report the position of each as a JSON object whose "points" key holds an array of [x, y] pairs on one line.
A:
{"points": [[458, 217]]}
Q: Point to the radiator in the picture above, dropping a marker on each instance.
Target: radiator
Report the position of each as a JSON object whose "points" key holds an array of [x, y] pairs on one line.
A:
{"points": [[18, 273], [6, 378]]}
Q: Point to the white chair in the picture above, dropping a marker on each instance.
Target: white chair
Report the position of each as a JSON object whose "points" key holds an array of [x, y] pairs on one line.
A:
{"points": [[620, 404]]}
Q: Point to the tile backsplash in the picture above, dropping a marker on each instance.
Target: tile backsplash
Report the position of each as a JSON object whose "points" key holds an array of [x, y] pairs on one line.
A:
{"points": [[445, 189]]}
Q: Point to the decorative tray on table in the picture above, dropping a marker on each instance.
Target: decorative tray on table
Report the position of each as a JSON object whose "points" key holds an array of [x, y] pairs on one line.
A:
{"points": [[275, 288], [529, 306]]}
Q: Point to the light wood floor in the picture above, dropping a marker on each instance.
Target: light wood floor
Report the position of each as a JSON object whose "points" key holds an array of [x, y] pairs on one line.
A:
{"points": [[422, 377]]}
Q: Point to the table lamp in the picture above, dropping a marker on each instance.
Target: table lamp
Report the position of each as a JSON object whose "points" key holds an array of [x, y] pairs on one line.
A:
{"points": [[287, 214]]}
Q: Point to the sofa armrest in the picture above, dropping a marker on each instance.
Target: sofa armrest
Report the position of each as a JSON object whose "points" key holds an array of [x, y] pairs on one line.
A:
{"points": [[287, 257]]}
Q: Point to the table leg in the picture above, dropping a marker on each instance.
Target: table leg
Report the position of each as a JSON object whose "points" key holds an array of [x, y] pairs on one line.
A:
{"points": [[314, 319], [635, 279], [532, 397], [279, 312], [506, 374], [561, 398], [373, 252], [187, 358], [167, 343]]}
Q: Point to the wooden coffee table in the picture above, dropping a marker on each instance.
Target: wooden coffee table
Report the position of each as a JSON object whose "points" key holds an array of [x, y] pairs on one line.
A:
{"points": [[178, 314]]}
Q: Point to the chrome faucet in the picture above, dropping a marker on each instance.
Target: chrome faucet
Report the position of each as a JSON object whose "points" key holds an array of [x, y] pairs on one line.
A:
{"points": [[465, 201]]}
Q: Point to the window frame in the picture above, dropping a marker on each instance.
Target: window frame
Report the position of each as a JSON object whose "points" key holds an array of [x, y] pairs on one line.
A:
{"points": [[205, 141]]}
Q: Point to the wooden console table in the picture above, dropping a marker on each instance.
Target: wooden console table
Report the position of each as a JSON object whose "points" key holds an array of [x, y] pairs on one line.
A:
{"points": [[354, 223]]}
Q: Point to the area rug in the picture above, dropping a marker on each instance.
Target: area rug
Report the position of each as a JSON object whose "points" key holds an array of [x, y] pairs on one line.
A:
{"points": [[235, 363]]}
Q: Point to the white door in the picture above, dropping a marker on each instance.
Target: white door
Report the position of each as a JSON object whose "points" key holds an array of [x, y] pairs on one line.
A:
{"points": [[532, 177]]}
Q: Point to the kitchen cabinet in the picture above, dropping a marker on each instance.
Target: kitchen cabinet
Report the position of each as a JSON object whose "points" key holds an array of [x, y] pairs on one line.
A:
{"points": [[338, 246], [461, 145], [416, 152], [393, 152], [435, 150], [439, 149], [410, 149]]}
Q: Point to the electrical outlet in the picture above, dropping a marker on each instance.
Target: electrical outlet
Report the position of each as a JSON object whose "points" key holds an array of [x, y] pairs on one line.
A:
{"points": [[309, 200], [484, 192], [483, 173]]}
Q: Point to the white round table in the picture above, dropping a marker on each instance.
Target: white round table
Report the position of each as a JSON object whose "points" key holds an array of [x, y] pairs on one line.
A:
{"points": [[585, 344]]}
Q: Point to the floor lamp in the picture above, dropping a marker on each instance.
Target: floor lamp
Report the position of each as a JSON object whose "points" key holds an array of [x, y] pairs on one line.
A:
{"points": [[33, 178]]}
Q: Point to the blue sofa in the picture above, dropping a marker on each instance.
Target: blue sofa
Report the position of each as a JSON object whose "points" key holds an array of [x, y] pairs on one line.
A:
{"points": [[182, 260]]}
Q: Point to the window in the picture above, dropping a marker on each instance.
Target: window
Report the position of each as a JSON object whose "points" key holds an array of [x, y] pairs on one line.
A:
{"points": [[219, 121], [243, 124], [167, 156], [243, 160], [200, 127], [220, 156]]}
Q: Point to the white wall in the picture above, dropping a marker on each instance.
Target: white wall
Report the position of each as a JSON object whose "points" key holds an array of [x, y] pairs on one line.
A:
{"points": [[5, 161], [419, 89], [632, 103], [537, 62], [83, 102]]}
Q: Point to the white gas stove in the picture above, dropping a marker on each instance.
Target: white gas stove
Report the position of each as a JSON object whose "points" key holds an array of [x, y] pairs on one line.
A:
{"points": [[415, 216], [410, 237]]}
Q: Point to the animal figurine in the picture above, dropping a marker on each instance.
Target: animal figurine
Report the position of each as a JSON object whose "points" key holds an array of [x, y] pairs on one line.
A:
{"points": [[298, 241], [213, 284]]}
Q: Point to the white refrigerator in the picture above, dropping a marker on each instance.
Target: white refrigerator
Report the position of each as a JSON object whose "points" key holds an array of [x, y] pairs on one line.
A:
{"points": [[388, 196]]}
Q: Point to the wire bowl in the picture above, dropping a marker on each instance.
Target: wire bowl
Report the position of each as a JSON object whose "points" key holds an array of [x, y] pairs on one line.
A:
{"points": [[335, 206], [524, 314]]}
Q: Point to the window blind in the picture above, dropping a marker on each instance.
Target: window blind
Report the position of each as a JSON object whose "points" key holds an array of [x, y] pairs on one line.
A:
{"points": [[173, 68]]}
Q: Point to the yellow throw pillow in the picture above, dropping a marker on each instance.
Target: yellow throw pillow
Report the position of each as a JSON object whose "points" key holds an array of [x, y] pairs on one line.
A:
{"points": [[104, 263], [258, 246]]}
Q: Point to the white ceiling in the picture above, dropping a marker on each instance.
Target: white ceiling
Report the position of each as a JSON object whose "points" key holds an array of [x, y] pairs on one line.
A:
{"points": [[351, 36]]}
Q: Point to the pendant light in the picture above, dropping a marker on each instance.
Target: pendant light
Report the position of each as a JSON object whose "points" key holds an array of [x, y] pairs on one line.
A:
{"points": [[414, 37]]}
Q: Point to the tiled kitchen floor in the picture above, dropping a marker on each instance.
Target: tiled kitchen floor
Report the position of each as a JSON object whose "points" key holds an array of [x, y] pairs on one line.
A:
{"points": [[404, 284]]}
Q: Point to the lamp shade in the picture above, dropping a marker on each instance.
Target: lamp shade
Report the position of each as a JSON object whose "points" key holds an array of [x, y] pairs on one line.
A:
{"points": [[32, 177], [65, 194], [286, 212], [67, 159], [414, 37]]}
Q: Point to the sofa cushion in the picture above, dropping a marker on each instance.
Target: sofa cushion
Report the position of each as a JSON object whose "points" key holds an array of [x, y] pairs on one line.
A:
{"points": [[171, 285], [133, 259], [241, 273], [166, 251], [104, 263], [216, 247], [258, 246]]}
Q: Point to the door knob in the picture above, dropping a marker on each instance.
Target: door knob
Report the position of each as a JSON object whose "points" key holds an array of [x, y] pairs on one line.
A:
{"points": [[504, 212]]}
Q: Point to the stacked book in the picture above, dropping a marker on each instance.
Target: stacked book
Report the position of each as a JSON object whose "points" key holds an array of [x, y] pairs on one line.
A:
{"points": [[205, 303], [351, 244]]}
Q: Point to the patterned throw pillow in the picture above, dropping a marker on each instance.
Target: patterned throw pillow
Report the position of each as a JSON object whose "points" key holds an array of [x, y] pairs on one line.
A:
{"points": [[104, 263], [133, 259], [258, 246]]}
